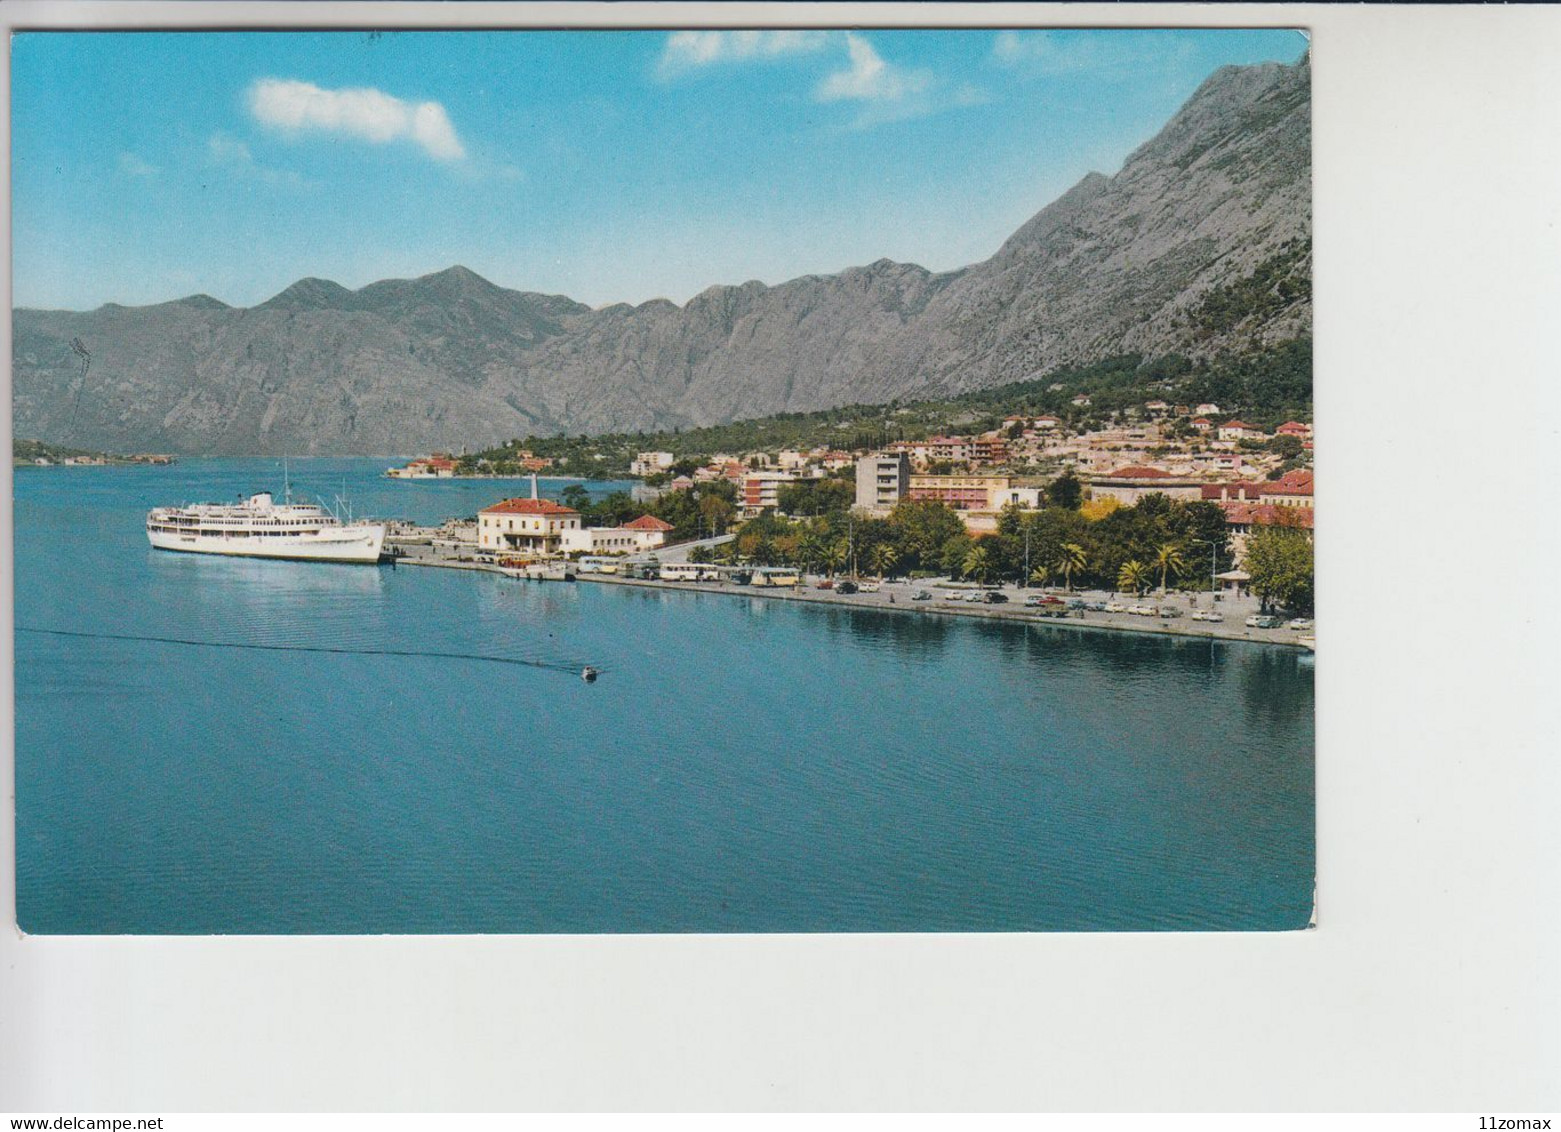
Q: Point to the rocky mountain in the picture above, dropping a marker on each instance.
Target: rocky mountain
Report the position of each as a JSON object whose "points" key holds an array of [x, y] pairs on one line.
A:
{"points": [[1200, 244]]}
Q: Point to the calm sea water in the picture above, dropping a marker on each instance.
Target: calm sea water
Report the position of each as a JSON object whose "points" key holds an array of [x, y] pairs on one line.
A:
{"points": [[741, 766]]}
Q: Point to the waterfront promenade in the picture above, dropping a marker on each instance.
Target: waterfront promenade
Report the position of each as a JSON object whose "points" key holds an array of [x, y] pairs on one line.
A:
{"points": [[897, 597]]}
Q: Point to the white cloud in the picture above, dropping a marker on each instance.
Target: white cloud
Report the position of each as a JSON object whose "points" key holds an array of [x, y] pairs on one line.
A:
{"points": [[690, 50], [870, 79], [133, 166], [363, 113], [233, 155], [1114, 54], [890, 93]]}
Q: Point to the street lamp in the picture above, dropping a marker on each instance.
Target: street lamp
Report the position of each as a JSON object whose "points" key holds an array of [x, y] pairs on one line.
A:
{"points": [[1213, 545]]}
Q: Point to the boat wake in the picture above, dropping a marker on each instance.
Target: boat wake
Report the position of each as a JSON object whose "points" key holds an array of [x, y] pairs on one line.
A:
{"points": [[572, 669]]}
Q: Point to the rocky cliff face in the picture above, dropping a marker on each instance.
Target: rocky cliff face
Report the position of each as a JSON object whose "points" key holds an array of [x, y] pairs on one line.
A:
{"points": [[1201, 243]]}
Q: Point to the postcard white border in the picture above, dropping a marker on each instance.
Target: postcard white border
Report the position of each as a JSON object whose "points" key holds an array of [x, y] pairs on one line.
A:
{"points": [[1432, 982]]}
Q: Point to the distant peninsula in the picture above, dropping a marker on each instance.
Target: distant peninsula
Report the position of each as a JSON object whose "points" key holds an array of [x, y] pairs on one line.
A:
{"points": [[38, 454]]}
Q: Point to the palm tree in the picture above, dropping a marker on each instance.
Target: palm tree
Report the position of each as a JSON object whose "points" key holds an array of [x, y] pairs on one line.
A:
{"points": [[810, 550], [1168, 560], [1070, 557], [1134, 576], [832, 556], [1041, 575], [978, 563], [885, 558]]}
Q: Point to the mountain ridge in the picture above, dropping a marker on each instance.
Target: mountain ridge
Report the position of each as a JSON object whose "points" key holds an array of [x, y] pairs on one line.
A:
{"points": [[1219, 196]]}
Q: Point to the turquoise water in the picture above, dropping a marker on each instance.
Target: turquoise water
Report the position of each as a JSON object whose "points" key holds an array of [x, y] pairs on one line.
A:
{"points": [[741, 765]]}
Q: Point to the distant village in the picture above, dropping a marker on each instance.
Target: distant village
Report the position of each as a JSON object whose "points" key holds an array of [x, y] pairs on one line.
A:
{"points": [[1195, 453]]}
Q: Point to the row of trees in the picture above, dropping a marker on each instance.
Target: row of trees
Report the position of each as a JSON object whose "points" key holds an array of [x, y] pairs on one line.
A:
{"points": [[1156, 542]]}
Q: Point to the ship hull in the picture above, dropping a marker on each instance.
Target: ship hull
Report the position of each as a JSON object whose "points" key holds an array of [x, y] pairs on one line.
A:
{"points": [[360, 544]]}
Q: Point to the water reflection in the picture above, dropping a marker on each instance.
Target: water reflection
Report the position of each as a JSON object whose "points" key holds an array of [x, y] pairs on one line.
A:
{"points": [[1276, 685]]}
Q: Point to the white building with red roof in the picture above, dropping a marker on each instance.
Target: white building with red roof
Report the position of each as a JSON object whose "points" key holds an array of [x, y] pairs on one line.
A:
{"points": [[525, 526], [1240, 430], [645, 533], [1295, 429]]}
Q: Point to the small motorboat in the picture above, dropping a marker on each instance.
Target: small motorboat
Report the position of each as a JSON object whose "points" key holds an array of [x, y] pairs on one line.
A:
{"points": [[588, 674]]}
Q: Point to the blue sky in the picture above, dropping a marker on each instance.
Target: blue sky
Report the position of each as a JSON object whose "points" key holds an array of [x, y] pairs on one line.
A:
{"points": [[608, 166]]}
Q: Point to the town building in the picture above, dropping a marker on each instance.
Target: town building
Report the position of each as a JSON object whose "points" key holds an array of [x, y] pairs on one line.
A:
{"points": [[1130, 484], [882, 480], [961, 492], [1296, 429], [1242, 520], [761, 489], [989, 450], [437, 466], [528, 526], [1293, 489], [1240, 430], [645, 533], [1027, 497]]}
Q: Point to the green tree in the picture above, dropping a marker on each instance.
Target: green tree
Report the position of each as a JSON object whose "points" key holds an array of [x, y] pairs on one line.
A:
{"points": [[884, 559], [715, 513], [1168, 560], [1066, 492], [1280, 562], [978, 564], [923, 528], [832, 556], [1071, 557], [1134, 576]]}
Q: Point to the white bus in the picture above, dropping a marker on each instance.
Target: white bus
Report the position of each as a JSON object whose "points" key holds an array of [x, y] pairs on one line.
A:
{"points": [[776, 576], [598, 564], [681, 571]]}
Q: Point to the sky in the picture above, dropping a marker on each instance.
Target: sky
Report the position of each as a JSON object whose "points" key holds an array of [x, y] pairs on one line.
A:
{"points": [[610, 167]]}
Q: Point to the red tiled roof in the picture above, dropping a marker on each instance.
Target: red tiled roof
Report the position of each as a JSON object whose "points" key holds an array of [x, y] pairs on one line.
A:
{"points": [[1201, 420], [1240, 424], [1268, 514], [1297, 481], [529, 507], [648, 523], [1138, 472], [1293, 426]]}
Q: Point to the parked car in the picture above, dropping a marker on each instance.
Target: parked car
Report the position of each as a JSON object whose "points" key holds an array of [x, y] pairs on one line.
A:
{"points": [[1170, 611], [1302, 623], [868, 587], [1096, 606], [1078, 605], [921, 595], [1207, 615], [824, 584], [954, 596], [846, 587], [1143, 610], [1034, 600], [1115, 607], [992, 597], [1264, 621]]}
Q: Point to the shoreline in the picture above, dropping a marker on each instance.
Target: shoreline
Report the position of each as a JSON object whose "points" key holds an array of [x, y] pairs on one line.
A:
{"points": [[1011, 612]]}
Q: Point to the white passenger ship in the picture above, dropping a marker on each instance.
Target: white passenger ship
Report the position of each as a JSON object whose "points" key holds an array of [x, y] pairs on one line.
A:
{"points": [[262, 528]]}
